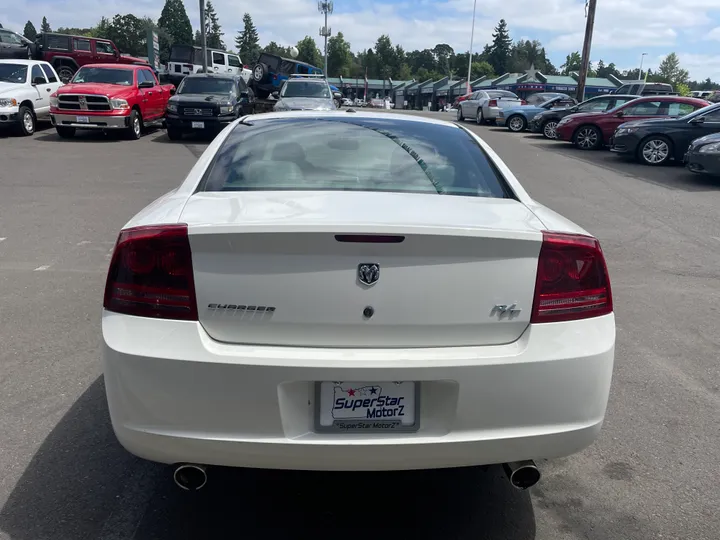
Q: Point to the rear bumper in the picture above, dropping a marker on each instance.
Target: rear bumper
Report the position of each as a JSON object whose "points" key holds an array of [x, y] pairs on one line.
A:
{"points": [[94, 121], [176, 395], [500, 121], [492, 112]]}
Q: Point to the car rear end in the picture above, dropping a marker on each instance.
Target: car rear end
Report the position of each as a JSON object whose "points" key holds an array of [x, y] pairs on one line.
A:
{"points": [[183, 61], [500, 102], [271, 320]]}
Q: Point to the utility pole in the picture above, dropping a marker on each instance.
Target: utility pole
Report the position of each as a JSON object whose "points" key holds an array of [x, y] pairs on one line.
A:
{"points": [[587, 44], [642, 57], [326, 8], [203, 36], [472, 37]]}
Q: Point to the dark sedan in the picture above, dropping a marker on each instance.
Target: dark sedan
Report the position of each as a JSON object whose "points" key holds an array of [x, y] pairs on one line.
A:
{"points": [[657, 141], [703, 155], [207, 102], [547, 121]]}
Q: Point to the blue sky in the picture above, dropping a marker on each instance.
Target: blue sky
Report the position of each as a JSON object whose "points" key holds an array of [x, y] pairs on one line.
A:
{"points": [[624, 29]]}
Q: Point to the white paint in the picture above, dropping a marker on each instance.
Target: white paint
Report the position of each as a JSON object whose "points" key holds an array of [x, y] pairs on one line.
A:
{"points": [[3, 238], [42, 268]]}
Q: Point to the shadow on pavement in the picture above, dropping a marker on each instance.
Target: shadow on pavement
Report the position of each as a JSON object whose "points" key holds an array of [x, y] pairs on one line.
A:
{"points": [[82, 484], [672, 176]]}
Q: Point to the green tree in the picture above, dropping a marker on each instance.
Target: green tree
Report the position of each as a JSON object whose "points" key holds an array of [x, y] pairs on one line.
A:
{"points": [[45, 26], [384, 56], [424, 59], [274, 48], [572, 63], [247, 41], [308, 52], [197, 40], [213, 30], [481, 69], [683, 89], [29, 31], [444, 54], [175, 25], [501, 49], [73, 31], [670, 71], [128, 32], [601, 70], [339, 56]]}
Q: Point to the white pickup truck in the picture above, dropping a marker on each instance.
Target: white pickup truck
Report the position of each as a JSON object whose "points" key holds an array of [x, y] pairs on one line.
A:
{"points": [[25, 89]]}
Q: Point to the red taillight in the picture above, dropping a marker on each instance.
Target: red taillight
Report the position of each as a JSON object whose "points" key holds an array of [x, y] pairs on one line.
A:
{"points": [[151, 274], [245, 66], [572, 279], [523, 102], [492, 103]]}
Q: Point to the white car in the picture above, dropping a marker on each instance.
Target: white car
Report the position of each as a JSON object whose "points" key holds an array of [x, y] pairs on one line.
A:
{"points": [[25, 89], [354, 291]]}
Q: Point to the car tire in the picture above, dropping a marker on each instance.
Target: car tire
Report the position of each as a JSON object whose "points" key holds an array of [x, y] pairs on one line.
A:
{"points": [[588, 137], [65, 73], [479, 118], [548, 129], [174, 134], [26, 123], [135, 129], [460, 117], [65, 132], [655, 150], [516, 123], [260, 72]]}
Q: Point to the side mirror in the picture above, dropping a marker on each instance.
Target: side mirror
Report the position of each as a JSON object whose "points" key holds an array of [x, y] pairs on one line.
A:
{"points": [[620, 114], [337, 95], [698, 120], [276, 95], [172, 91], [146, 84], [38, 80]]}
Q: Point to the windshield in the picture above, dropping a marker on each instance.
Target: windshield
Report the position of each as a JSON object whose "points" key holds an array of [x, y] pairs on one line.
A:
{"points": [[13, 73], [313, 89], [360, 154], [123, 77], [205, 85]]}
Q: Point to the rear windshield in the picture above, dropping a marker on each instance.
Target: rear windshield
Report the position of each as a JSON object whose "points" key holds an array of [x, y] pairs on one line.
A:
{"points": [[305, 89], [353, 154], [501, 94], [123, 77]]}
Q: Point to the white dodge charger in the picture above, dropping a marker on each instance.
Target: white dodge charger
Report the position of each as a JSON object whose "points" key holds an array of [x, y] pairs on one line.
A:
{"points": [[354, 291]]}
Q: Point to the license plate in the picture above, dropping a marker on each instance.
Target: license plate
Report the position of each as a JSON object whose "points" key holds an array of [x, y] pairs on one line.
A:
{"points": [[198, 125], [83, 120], [367, 406]]}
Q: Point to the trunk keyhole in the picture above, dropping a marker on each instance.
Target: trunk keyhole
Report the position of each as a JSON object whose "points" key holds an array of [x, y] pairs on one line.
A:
{"points": [[368, 312]]}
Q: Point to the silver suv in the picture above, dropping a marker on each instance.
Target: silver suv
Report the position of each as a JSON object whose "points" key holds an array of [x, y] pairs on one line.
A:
{"points": [[305, 93]]}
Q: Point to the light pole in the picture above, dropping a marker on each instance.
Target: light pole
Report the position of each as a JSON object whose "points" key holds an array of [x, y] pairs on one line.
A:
{"points": [[642, 57], [325, 7], [472, 36]]}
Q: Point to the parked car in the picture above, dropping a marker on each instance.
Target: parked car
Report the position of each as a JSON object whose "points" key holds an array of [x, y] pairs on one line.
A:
{"points": [[15, 46], [187, 59], [640, 88], [68, 53], [207, 102], [590, 131], [483, 105], [271, 71], [519, 117], [273, 311], [305, 94], [547, 121], [656, 142], [25, 89], [110, 97], [703, 155]]}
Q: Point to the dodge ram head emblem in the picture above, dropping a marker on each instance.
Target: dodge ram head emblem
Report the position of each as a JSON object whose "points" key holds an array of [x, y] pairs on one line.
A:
{"points": [[368, 273], [83, 103]]}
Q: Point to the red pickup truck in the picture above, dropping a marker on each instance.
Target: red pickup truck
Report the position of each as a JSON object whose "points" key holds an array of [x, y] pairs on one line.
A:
{"points": [[110, 96]]}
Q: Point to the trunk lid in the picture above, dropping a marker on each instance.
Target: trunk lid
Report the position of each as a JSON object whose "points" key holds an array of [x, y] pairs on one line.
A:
{"points": [[270, 268]]}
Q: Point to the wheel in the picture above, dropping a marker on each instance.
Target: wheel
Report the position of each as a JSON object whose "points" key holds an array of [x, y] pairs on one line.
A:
{"points": [[479, 119], [516, 123], [65, 132], [26, 126], [174, 134], [588, 138], [460, 117], [135, 129], [548, 129], [655, 150], [65, 73], [259, 73]]}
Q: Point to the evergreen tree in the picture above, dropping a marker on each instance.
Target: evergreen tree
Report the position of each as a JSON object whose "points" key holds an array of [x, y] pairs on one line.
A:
{"points": [[339, 56], [29, 31], [198, 38], [175, 25], [670, 71], [501, 49], [213, 30], [308, 52], [45, 26], [247, 41]]}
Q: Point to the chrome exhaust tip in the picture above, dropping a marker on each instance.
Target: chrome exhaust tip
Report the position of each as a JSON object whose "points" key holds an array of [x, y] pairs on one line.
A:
{"points": [[522, 474], [190, 477]]}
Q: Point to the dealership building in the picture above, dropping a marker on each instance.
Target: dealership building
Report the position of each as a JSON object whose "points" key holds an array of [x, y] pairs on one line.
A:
{"points": [[433, 95]]}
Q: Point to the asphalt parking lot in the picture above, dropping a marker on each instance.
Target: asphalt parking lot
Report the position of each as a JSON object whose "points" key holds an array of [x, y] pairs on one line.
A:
{"points": [[652, 474]]}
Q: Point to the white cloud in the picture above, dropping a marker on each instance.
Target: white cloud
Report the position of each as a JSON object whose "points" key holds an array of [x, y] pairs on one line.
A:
{"points": [[714, 34]]}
